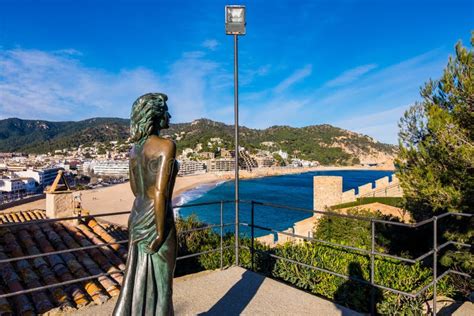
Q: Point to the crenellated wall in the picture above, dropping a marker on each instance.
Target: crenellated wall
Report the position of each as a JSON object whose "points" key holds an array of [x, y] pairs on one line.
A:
{"points": [[348, 196], [327, 191]]}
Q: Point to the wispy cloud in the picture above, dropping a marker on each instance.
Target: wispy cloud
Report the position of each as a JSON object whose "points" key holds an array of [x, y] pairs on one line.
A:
{"points": [[296, 76], [210, 44], [36, 84], [381, 125], [57, 86], [248, 75], [378, 100], [350, 75], [367, 99]]}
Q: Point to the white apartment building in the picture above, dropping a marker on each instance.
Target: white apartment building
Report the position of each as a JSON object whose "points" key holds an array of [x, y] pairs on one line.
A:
{"points": [[43, 177], [11, 185], [187, 167], [111, 167]]}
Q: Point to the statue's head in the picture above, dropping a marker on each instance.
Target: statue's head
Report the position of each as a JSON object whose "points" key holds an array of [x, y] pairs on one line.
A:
{"points": [[149, 116]]}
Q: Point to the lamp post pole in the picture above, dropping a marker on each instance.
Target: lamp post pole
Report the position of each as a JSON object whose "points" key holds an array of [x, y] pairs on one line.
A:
{"points": [[235, 25], [236, 128]]}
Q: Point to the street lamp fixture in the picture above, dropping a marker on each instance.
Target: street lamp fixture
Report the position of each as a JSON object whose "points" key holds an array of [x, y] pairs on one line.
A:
{"points": [[235, 25], [235, 20]]}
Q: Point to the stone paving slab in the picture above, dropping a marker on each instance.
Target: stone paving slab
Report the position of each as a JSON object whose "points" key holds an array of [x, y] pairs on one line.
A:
{"points": [[466, 309], [237, 291]]}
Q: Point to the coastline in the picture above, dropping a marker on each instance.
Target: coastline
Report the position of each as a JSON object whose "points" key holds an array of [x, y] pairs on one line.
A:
{"points": [[118, 198], [189, 183]]}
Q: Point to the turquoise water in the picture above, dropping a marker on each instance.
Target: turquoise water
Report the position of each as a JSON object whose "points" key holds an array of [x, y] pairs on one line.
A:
{"points": [[291, 190]]}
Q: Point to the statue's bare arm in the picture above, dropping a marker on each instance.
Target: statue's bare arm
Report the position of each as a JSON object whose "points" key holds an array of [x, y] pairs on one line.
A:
{"points": [[168, 154], [133, 185]]}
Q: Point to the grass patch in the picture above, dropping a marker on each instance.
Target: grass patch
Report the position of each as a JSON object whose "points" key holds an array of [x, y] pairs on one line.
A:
{"points": [[392, 201]]}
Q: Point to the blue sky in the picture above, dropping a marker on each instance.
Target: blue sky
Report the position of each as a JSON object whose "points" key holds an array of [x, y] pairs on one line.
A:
{"points": [[353, 64]]}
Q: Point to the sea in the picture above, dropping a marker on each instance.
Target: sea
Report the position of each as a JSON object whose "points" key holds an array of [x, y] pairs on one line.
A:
{"points": [[294, 190]]}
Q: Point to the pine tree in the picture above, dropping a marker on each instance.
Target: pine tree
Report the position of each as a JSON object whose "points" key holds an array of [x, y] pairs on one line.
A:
{"points": [[436, 159]]}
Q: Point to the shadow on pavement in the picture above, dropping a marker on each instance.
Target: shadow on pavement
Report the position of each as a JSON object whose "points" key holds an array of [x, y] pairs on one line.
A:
{"points": [[238, 297]]}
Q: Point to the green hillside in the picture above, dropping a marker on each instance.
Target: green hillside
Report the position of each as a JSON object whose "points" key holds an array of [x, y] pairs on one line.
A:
{"points": [[324, 143]]}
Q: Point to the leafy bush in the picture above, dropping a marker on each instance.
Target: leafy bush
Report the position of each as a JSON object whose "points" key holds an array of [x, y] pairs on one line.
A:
{"points": [[351, 293], [209, 239]]}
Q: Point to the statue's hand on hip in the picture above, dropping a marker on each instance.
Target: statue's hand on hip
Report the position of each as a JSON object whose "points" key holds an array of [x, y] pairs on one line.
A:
{"points": [[154, 245]]}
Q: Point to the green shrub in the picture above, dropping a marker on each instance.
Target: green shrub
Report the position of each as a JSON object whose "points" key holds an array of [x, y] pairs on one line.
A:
{"points": [[351, 293], [356, 295], [209, 239]]}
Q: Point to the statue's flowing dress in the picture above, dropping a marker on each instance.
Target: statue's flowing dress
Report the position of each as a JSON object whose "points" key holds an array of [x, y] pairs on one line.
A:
{"points": [[147, 285]]}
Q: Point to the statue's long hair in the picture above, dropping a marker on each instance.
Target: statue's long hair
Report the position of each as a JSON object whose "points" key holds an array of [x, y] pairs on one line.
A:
{"points": [[147, 116]]}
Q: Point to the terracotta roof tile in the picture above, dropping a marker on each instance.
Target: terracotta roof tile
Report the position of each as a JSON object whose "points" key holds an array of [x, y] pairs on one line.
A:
{"points": [[40, 238]]}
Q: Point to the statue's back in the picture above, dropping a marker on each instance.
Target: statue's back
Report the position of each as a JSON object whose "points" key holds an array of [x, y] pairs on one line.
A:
{"points": [[146, 167]]}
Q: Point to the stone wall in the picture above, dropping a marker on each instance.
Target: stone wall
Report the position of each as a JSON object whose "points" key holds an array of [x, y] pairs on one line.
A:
{"points": [[60, 204], [348, 196], [384, 188], [327, 191]]}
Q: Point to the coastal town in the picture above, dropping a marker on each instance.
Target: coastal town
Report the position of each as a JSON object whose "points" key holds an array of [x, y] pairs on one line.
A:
{"points": [[25, 175], [196, 158]]}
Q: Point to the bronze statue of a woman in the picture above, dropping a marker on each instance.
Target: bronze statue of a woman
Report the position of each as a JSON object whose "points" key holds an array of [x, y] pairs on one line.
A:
{"points": [[147, 285]]}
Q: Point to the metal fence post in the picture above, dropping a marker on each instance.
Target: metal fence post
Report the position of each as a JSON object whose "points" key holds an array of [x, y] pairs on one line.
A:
{"points": [[222, 232], [372, 268], [252, 229], [435, 261]]}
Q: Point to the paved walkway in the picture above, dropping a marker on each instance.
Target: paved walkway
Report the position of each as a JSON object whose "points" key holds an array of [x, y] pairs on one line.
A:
{"points": [[236, 291]]}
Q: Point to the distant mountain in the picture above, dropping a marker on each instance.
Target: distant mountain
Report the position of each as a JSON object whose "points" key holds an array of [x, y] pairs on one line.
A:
{"points": [[324, 143], [36, 136]]}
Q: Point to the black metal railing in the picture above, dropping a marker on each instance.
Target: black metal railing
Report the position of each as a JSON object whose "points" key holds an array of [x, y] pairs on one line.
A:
{"points": [[372, 253], [221, 248], [252, 225]]}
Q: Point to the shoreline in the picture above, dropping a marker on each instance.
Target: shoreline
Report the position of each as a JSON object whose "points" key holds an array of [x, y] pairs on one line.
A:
{"points": [[258, 173], [119, 198]]}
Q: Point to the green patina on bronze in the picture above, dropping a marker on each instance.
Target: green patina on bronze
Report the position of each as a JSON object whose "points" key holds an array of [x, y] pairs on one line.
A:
{"points": [[147, 286]]}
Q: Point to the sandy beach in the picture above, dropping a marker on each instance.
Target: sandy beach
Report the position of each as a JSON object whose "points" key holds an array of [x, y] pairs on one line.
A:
{"points": [[119, 198]]}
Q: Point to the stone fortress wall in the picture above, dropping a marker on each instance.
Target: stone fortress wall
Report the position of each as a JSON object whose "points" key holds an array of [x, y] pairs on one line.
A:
{"points": [[327, 192]]}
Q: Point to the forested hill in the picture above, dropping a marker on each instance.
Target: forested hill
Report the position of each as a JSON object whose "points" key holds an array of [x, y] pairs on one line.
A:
{"points": [[324, 143]]}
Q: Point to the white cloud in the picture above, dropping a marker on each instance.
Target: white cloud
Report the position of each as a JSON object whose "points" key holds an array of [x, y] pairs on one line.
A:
{"points": [[188, 85], [57, 86], [382, 125], [210, 44], [350, 75], [248, 75], [296, 76], [371, 104]]}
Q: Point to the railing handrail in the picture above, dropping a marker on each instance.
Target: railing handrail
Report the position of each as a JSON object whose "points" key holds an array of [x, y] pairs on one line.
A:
{"points": [[328, 213], [372, 253]]}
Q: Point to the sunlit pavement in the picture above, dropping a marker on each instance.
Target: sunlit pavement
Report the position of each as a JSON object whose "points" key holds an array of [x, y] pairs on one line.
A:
{"points": [[236, 291]]}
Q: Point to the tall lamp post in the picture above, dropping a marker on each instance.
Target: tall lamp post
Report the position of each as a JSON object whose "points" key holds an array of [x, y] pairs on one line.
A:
{"points": [[235, 25]]}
